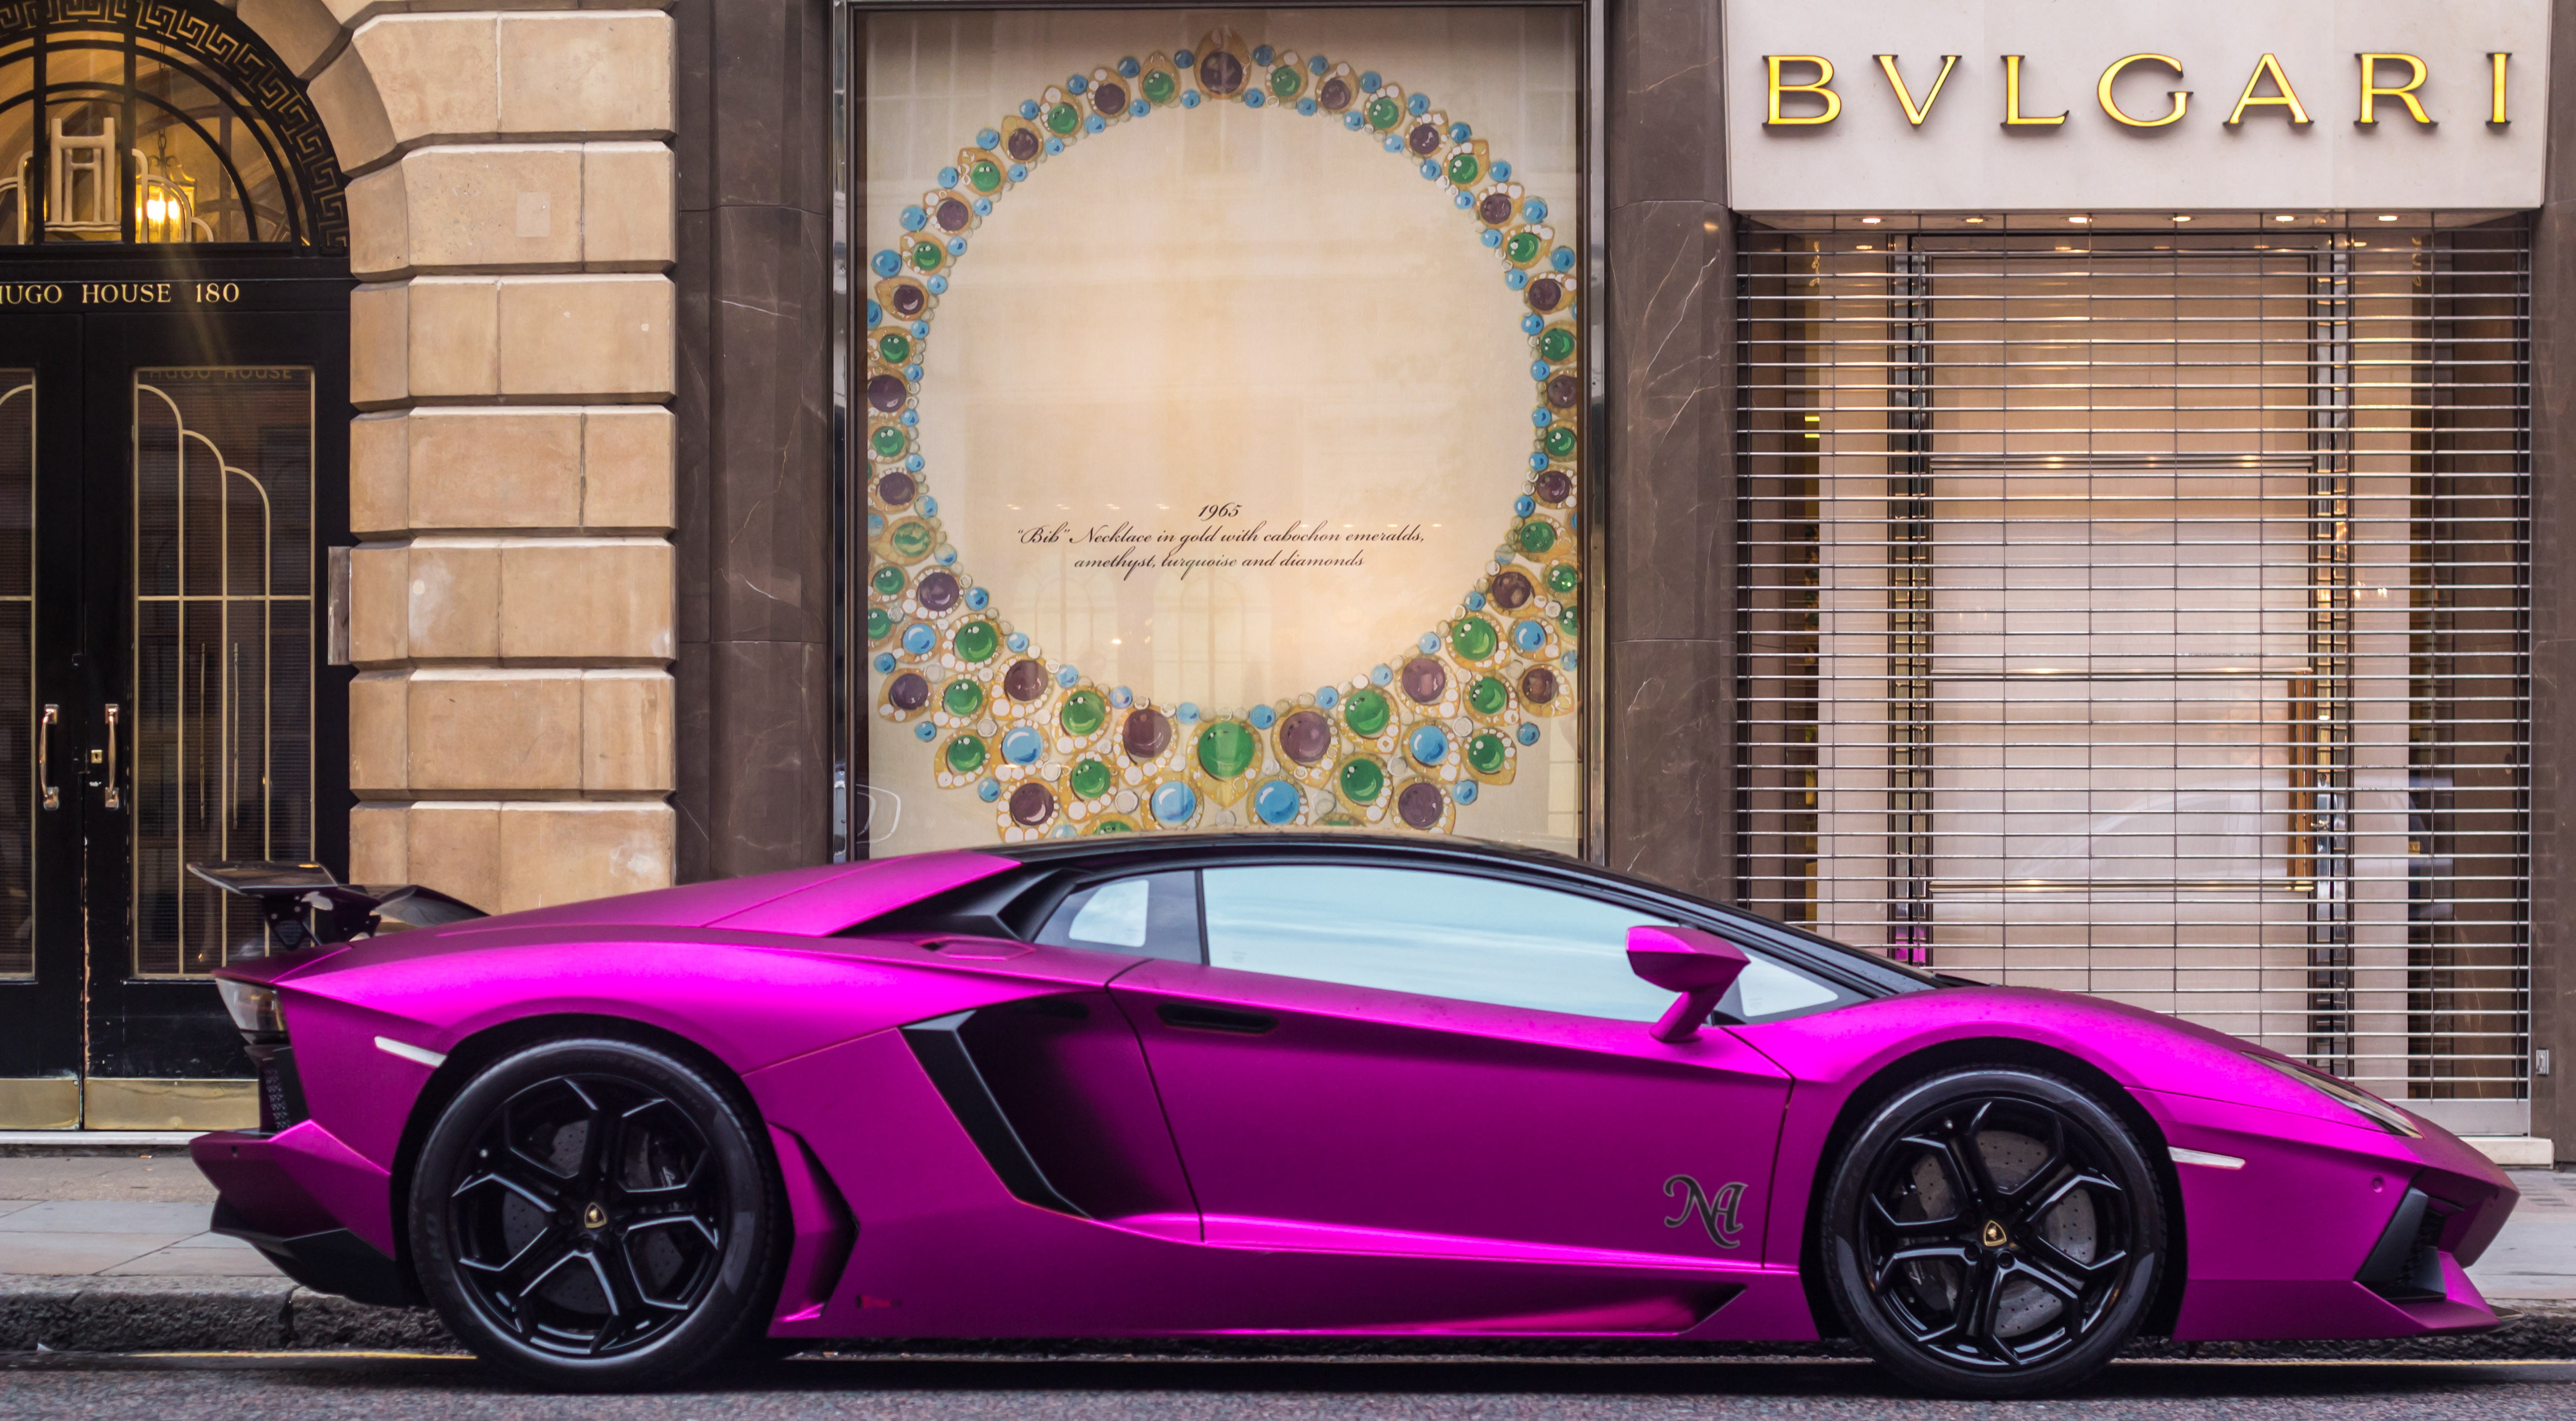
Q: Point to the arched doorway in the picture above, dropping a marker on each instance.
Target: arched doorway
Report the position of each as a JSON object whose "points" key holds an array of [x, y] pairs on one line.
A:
{"points": [[174, 301]]}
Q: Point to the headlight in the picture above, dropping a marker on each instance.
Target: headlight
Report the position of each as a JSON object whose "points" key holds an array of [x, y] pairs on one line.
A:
{"points": [[254, 1010], [2387, 1116]]}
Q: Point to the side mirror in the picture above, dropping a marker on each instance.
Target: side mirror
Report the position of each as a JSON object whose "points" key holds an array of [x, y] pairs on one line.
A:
{"points": [[1692, 961]]}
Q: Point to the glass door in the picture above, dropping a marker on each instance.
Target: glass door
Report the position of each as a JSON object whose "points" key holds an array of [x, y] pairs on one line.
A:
{"points": [[40, 922], [157, 624]]}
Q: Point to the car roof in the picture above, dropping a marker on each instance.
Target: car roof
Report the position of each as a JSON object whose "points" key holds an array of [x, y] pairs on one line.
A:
{"points": [[1080, 858]]}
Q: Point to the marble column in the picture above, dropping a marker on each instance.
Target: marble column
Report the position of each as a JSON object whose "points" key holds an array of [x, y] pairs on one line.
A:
{"points": [[755, 457], [1667, 497]]}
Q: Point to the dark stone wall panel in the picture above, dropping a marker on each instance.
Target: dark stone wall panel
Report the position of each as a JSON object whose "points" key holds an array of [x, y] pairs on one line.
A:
{"points": [[1668, 493], [768, 803], [1665, 83], [770, 497], [2553, 598], [755, 451], [772, 80]]}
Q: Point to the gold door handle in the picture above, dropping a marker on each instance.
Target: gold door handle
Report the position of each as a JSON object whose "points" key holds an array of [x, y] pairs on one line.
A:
{"points": [[45, 757], [114, 800]]}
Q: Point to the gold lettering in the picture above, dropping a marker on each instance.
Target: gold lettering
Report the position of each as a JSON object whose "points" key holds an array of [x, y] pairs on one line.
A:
{"points": [[1822, 88], [2181, 97], [2013, 116], [1905, 96], [2496, 116], [2372, 90], [2268, 66]]}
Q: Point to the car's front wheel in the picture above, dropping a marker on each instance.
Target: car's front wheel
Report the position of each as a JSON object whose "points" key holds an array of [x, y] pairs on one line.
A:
{"points": [[1993, 1232], [596, 1214]]}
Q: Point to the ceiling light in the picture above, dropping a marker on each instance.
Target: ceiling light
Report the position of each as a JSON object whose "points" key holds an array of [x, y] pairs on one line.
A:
{"points": [[2285, 217], [1869, 222], [1974, 221], [2182, 217], [2388, 217], [1863, 247], [2079, 221]]}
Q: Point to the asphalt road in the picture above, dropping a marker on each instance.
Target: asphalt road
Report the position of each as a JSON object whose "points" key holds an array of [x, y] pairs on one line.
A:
{"points": [[312, 1387]]}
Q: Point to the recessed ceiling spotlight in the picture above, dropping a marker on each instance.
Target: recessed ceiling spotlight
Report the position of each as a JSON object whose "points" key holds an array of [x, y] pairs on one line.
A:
{"points": [[1975, 221], [1869, 222], [2079, 221], [2285, 217], [2182, 217], [1863, 247], [2388, 217]]}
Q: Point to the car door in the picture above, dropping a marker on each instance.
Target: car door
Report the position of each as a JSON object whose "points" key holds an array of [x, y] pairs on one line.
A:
{"points": [[1400, 1060]]}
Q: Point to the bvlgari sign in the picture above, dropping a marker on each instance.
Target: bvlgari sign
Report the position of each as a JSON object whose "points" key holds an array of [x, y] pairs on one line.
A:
{"points": [[1945, 105]]}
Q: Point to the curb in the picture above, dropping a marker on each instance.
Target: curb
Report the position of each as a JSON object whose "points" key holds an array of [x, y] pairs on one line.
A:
{"points": [[191, 1315], [262, 1315]]}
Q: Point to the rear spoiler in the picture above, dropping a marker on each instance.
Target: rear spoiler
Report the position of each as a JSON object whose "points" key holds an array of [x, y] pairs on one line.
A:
{"points": [[305, 906]]}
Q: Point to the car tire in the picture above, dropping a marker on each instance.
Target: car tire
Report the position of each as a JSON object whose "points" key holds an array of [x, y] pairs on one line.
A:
{"points": [[599, 1215], [1994, 1232]]}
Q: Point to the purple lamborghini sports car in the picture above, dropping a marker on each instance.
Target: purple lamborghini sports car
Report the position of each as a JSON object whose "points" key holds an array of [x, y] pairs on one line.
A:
{"points": [[1277, 1085]]}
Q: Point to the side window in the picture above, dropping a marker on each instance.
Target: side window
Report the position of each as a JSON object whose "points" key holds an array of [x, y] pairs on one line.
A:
{"points": [[1437, 934], [1769, 991], [1151, 915]]}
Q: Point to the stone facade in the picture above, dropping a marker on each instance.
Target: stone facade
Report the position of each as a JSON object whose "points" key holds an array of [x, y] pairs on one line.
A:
{"points": [[513, 339]]}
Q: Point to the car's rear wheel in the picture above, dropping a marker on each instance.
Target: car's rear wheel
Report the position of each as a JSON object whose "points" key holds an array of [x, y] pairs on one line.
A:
{"points": [[1993, 1232], [597, 1214]]}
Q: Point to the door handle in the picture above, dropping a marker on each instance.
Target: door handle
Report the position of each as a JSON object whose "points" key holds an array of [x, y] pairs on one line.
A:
{"points": [[114, 800], [1192, 1017], [45, 757]]}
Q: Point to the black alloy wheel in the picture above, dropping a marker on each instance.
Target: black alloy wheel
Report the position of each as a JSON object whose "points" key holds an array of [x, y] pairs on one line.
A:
{"points": [[1993, 1233], [598, 1215]]}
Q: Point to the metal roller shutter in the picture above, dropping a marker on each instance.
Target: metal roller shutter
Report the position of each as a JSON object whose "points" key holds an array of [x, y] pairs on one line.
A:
{"points": [[2144, 614]]}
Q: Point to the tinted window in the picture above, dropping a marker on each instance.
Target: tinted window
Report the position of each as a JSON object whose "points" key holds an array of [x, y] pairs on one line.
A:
{"points": [[1437, 934], [1151, 915]]}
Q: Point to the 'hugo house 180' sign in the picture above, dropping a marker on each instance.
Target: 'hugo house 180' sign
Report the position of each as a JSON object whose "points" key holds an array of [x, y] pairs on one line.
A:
{"points": [[2001, 105]]}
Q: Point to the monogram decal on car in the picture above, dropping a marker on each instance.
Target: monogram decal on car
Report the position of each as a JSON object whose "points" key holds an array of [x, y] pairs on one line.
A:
{"points": [[1716, 1211]]}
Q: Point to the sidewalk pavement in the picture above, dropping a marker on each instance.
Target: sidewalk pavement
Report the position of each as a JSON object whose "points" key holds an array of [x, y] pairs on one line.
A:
{"points": [[112, 1254]]}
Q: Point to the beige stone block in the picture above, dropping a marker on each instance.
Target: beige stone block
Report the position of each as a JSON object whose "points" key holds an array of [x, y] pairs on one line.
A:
{"points": [[379, 226], [380, 844], [586, 599], [379, 474], [585, 336], [487, 206], [626, 468], [496, 468], [455, 601], [379, 619], [456, 849], [455, 339], [626, 730], [379, 344], [626, 206], [438, 75], [344, 96], [379, 732], [301, 31], [350, 12], [592, 71], [569, 853], [475, 729]]}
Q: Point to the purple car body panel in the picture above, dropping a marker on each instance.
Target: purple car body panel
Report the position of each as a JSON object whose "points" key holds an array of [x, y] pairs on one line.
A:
{"points": [[1246, 1153]]}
